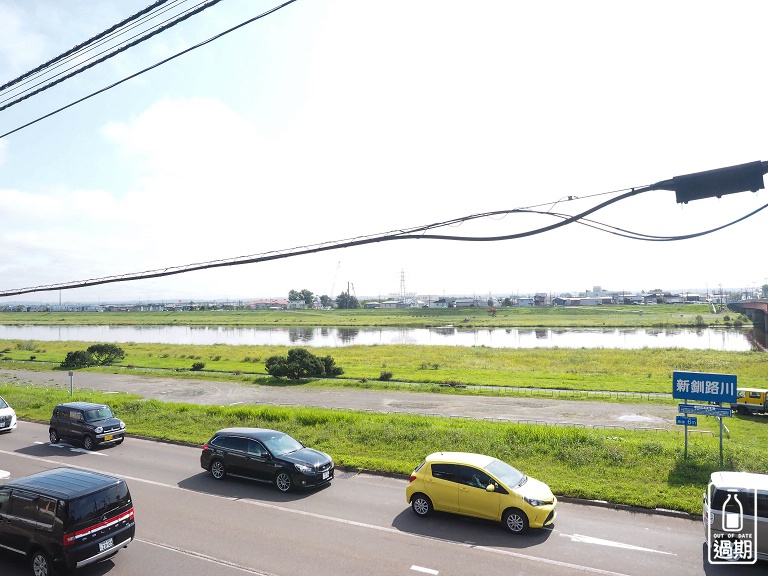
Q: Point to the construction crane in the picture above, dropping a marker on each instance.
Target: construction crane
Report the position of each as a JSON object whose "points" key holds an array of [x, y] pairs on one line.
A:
{"points": [[333, 286]]}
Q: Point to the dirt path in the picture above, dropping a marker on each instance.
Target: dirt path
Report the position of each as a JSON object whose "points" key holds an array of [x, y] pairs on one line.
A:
{"points": [[514, 409]]}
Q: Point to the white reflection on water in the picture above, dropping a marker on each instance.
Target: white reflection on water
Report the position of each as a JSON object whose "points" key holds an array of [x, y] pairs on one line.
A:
{"points": [[626, 338]]}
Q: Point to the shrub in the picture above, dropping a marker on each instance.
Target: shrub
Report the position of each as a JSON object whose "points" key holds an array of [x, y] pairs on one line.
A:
{"points": [[96, 355], [77, 359], [104, 354], [301, 363], [385, 375], [198, 365], [331, 370]]}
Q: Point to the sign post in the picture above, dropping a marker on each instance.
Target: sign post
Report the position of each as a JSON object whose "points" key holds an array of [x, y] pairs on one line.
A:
{"points": [[712, 388]]}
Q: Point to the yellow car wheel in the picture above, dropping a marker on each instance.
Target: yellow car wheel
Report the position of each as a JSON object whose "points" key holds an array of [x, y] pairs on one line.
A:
{"points": [[515, 521], [421, 505]]}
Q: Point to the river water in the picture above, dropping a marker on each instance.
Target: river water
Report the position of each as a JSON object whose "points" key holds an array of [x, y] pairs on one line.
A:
{"points": [[732, 339]]}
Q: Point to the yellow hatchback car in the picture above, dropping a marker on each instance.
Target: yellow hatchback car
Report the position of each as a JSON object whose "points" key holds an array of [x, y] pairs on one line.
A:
{"points": [[482, 487]]}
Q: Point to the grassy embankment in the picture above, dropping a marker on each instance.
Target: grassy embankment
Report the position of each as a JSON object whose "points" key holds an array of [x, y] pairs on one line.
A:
{"points": [[645, 371], [642, 468], [661, 316]]}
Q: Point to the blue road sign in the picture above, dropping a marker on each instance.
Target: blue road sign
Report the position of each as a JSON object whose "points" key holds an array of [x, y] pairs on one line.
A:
{"points": [[705, 410], [707, 387], [686, 421]]}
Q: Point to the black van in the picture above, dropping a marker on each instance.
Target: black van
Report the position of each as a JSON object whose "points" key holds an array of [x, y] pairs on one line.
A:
{"points": [[65, 518], [91, 424]]}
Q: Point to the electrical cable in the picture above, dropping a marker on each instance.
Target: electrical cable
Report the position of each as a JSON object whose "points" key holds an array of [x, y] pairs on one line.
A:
{"points": [[83, 44], [607, 228], [86, 47], [403, 234], [156, 65], [110, 55]]}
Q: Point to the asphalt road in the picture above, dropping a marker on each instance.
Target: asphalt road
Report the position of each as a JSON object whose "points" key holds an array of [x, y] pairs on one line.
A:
{"points": [[513, 408], [188, 523]]}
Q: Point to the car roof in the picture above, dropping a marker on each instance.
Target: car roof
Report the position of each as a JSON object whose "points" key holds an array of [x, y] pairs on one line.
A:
{"points": [[479, 460], [65, 482], [81, 405], [748, 480], [257, 433]]}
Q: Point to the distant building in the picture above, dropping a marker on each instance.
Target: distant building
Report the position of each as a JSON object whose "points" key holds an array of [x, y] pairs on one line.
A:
{"points": [[268, 304], [540, 299], [470, 303]]}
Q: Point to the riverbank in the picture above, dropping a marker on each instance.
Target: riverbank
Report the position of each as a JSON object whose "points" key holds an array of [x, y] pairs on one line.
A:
{"points": [[645, 371], [660, 316]]}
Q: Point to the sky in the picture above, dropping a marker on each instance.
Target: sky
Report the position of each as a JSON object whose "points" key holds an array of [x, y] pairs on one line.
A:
{"points": [[335, 119]]}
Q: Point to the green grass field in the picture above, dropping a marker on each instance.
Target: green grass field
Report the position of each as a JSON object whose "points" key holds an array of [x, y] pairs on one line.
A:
{"points": [[642, 371], [666, 315]]}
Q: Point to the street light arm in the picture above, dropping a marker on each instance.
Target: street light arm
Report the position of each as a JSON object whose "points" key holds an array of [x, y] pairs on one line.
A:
{"points": [[716, 183]]}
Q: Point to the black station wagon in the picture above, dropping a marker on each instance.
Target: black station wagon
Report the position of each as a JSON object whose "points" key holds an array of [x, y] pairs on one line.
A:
{"points": [[267, 456], [85, 422]]}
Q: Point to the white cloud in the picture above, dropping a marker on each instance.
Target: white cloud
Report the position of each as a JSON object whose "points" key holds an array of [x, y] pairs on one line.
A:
{"points": [[399, 114]]}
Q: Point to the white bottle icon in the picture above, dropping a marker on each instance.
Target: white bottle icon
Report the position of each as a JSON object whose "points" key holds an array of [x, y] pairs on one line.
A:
{"points": [[733, 521]]}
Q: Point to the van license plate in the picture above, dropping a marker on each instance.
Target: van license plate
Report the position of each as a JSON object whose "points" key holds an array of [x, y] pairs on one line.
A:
{"points": [[108, 438], [106, 545]]}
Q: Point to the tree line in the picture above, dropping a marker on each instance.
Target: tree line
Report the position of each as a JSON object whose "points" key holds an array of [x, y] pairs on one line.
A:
{"points": [[343, 301]]}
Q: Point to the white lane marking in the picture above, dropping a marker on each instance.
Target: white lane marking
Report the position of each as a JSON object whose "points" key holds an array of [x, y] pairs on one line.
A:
{"points": [[71, 448], [5, 474], [386, 529], [612, 544], [205, 557], [425, 570]]}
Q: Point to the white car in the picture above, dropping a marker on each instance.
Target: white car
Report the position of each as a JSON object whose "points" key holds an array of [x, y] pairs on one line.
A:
{"points": [[7, 416]]}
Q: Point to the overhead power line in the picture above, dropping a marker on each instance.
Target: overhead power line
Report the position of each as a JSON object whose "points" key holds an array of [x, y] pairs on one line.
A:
{"points": [[80, 51], [147, 69], [422, 232], [82, 45], [112, 54]]}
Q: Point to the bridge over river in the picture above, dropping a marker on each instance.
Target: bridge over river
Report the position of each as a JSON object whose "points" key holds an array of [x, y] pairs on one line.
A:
{"points": [[755, 310]]}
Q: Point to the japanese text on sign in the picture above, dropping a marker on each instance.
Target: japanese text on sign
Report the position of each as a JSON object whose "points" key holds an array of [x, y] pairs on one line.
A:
{"points": [[700, 386]]}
